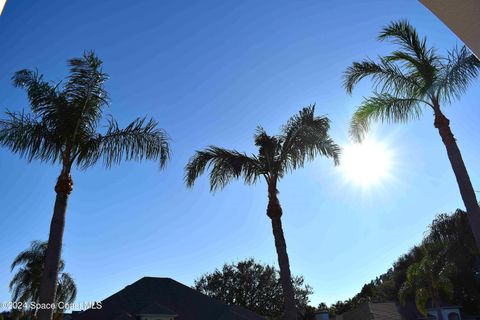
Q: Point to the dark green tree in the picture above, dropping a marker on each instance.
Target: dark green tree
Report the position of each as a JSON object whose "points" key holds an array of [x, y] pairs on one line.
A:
{"points": [[452, 239], [62, 129], [25, 284], [409, 80], [255, 286], [302, 139], [449, 239]]}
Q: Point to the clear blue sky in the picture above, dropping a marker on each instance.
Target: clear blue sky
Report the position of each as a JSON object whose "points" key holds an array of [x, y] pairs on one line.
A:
{"points": [[209, 72]]}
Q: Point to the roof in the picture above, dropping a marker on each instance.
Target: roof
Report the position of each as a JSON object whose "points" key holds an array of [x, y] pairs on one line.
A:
{"points": [[383, 311], [392, 310], [168, 297], [359, 313], [461, 17], [157, 309]]}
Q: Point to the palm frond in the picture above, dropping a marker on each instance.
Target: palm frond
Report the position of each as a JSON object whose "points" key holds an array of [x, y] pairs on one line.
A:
{"points": [[268, 149], [422, 296], [85, 89], [386, 76], [225, 165], [404, 34], [414, 54], [28, 137], [383, 107], [66, 290], [304, 137], [141, 139], [41, 94], [35, 252], [461, 69]]}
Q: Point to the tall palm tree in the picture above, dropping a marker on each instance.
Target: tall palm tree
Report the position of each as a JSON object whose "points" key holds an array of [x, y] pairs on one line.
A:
{"points": [[62, 129], [25, 283], [408, 81], [304, 137], [428, 279]]}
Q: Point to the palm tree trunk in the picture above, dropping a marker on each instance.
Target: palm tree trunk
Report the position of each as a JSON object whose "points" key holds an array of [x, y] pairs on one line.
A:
{"points": [[461, 174], [274, 212], [48, 283]]}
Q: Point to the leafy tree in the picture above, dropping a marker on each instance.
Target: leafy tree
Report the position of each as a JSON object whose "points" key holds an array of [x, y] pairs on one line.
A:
{"points": [[304, 137], [407, 81], [62, 129], [322, 306], [26, 281], [450, 239], [254, 286], [429, 279]]}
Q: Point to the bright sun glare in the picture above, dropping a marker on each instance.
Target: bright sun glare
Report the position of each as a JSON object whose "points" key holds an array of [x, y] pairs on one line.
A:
{"points": [[366, 164]]}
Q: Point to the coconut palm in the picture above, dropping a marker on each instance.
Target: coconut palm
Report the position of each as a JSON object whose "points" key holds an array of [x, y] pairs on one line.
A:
{"points": [[25, 284], [408, 81], [62, 129], [428, 280], [304, 137]]}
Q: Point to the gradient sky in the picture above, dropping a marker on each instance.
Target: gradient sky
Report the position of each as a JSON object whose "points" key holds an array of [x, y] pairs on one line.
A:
{"points": [[210, 72]]}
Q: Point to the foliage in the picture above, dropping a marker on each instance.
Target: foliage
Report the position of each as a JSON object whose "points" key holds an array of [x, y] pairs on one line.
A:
{"points": [[450, 244], [304, 137], [253, 285], [25, 283], [428, 280], [410, 78], [62, 125]]}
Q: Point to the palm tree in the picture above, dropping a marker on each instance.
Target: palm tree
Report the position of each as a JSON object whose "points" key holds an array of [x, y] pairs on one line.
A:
{"points": [[26, 281], [62, 128], [407, 81], [428, 279], [303, 138]]}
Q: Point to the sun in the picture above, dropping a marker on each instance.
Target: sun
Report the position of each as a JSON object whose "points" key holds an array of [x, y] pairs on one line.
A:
{"points": [[366, 164]]}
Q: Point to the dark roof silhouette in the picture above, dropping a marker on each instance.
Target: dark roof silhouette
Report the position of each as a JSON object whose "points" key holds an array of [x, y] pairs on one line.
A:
{"points": [[384, 311], [167, 297]]}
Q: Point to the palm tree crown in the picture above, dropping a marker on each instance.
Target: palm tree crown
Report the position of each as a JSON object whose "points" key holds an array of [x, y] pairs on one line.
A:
{"points": [[63, 124], [428, 280], [304, 137], [25, 283], [408, 79]]}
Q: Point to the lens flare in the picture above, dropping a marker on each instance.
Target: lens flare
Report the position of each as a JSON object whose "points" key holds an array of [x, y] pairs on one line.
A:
{"points": [[366, 164]]}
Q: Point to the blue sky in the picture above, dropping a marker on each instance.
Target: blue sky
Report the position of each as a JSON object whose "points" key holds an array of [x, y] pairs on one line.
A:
{"points": [[210, 72]]}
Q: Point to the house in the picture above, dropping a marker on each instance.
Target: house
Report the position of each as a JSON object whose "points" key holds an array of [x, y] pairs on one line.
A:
{"points": [[461, 17], [395, 311], [164, 299]]}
